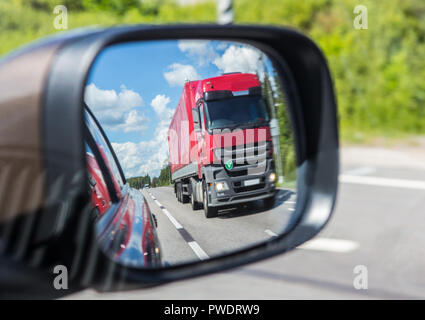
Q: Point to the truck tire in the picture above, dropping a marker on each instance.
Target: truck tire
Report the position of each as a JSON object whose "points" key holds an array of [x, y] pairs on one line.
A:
{"points": [[185, 198], [180, 196], [210, 212], [179, 193], [269, 202]]}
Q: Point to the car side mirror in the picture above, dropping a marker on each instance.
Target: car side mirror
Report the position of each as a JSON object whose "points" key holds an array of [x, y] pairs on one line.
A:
{"points": [[55, 141]]}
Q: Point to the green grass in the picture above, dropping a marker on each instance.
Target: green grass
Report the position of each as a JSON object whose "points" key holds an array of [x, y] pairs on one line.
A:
{"points": [[289, 184], [377, 137]]}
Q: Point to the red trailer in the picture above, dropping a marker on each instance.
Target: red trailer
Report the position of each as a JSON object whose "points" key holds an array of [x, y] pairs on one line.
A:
{"points": [[220, 147]]}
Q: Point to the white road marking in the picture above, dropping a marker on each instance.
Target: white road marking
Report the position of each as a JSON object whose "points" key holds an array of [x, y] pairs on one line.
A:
{"points": [[291, 209], [198, 250], [192, 244], [168, 214], [289, 202], [331, 245], [270, 233], [172, 219], [383, 182], [361, 171]]}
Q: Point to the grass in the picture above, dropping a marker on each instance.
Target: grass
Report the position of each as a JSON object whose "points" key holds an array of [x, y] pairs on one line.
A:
{"points": [[378, 137]]}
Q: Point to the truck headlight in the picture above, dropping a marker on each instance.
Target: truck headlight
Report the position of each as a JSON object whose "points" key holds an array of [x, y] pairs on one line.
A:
{"points": [[221, 186], [272, 177]]}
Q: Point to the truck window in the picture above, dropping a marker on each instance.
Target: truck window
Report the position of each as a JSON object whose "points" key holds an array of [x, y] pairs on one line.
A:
{"points": [[236, 111]]}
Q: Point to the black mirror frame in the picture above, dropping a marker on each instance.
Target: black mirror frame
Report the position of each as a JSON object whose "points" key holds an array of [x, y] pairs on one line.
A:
{"points": [[303, 69]]}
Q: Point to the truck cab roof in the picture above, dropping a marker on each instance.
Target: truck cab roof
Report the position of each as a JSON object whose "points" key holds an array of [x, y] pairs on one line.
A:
{"points": [[234, 81]]}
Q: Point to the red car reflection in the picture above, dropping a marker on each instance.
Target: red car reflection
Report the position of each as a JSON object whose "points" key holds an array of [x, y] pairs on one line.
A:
{"points": [[125, 226]]}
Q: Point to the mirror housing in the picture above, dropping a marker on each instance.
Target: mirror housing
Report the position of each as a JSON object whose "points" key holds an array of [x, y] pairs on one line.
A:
{"points": [[196, 119], [64, 232]]}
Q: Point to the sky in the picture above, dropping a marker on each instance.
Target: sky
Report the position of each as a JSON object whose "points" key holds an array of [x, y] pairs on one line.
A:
{"points": [[133, 90]]}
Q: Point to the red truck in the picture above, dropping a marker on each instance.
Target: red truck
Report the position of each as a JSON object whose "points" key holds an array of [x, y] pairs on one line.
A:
{"points": [[220, 146]]}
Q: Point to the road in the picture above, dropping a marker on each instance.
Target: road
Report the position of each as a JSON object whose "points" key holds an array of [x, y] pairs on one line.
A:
{"points": [[186, 235], [378, 223]]}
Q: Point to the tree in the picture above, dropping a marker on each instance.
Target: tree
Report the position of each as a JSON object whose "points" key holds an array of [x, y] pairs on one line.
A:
{"points": [[139, 182], [164, 176]]}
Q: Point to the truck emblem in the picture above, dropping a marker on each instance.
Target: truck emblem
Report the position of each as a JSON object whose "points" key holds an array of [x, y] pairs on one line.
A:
{"points": [[229, 165]]}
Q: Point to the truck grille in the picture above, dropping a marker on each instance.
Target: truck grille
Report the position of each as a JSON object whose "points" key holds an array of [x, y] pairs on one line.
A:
{"points": [[239, 187], [250, 155]]}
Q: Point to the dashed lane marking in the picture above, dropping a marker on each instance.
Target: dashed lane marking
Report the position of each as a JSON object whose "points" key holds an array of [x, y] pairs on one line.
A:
{"points": [[196, 248], [270, 233], [330, 245], [383, 182], [360, 171]]}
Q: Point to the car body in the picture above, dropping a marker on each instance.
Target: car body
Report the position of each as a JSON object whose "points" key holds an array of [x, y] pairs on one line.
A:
{"points": [[125, 226]]}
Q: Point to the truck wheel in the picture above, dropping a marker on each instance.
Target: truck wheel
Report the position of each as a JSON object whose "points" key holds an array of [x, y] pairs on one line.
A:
{"points": [[185, 198], [269, 202], [180, 196], [179, 193], [210, 212]]}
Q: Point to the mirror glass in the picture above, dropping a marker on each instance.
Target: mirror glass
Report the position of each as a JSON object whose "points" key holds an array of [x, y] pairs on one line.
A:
{"points": [[190, 152]]}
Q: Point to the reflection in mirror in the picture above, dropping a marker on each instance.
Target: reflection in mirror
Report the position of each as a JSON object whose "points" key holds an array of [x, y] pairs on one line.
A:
{"points": [[189, 150]]}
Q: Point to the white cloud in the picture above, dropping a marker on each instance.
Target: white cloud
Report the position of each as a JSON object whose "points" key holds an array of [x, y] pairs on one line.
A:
{"points": [[133, 121], [98, 99], [179, 73], [128, 99], [148, 156], [144, 157], [201, 50], [239, 59], [159, 103], [114, 110], [222, 45]]}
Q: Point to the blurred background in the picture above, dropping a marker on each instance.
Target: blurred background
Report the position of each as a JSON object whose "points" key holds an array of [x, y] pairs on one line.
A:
{"points": [[393, 46], [378, 75]]}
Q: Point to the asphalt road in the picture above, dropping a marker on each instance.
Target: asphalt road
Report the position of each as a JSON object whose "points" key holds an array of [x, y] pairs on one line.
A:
{"points": [[378, 223], [233, 229]]}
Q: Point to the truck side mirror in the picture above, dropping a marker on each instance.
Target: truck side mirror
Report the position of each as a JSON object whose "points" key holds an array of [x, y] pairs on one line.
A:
{"points": [[196, 119]]}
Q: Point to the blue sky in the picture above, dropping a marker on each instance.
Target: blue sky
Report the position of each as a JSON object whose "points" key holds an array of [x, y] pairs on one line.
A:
{"points": [[133, 89]]}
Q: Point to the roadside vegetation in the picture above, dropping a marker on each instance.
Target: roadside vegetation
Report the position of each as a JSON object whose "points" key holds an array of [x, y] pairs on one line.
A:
{"points": [[378, 73], [164, 179]]}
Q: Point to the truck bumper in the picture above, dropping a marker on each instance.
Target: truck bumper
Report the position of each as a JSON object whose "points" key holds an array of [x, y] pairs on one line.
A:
{"points": [[238, 192]]}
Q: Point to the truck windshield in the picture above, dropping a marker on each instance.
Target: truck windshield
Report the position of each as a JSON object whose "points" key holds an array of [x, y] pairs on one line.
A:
{"points": [[235, 112]]}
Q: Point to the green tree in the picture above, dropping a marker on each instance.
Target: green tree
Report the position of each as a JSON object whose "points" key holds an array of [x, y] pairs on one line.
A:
{"points": [[378, 73], [164, 176]]}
